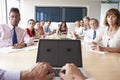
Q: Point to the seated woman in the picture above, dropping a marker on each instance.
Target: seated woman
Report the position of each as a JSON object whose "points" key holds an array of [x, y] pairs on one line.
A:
{"points": [[77, 26], [110, 37], [86, 20], [37, 30], [42, 22], [30, 30], [78, 32], [63, 28]]}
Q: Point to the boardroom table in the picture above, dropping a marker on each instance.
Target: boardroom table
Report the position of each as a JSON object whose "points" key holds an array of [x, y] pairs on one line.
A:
{"points": [[99, 66]]}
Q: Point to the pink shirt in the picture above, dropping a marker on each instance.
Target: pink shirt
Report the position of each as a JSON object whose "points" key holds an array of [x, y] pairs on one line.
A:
{"points": [[6, 35]]}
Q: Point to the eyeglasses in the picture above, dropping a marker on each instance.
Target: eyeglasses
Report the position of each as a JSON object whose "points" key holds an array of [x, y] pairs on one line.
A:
{"points": [[14, 17]]}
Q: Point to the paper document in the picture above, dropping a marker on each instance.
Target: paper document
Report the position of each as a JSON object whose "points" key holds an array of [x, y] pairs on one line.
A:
{"points": [[10, 49], [30, 47], [99, 52]]}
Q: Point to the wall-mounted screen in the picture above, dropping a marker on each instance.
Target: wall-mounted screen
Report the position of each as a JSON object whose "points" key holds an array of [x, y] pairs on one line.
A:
{"points": [[57, 14]]}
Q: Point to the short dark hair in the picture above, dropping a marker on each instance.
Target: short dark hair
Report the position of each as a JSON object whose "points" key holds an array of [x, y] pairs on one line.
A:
{"points": [[16, 10], [31, 20], [95, 20]]}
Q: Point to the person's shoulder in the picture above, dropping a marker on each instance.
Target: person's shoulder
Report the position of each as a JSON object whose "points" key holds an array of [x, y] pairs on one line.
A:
{"points": [[27, 29], [2, 25], [119, 28], [118, 34], [102, 29], [44, 26], [89, 30]]}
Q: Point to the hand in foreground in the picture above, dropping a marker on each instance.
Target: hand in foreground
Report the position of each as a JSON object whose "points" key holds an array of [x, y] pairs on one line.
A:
{"points": [[42, 71], [71, 72]]}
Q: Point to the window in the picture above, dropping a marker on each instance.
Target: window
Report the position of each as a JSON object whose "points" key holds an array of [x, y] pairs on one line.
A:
{"points": [[57, 14], [47, 13], [5, 6]]}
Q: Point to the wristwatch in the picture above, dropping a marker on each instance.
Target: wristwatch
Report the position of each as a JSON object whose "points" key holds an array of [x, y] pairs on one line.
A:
{"points": [[25, 45]]}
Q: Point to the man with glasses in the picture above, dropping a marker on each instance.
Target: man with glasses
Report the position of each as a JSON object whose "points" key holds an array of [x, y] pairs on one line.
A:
{"points": [[11, 34]]}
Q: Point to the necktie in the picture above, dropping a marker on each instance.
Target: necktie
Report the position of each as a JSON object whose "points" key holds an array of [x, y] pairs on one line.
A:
{"points": [[94, 35], [14, 37], [47, 30]]}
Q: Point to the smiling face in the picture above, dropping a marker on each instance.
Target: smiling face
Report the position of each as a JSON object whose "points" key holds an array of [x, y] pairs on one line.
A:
{"points": [[93, 24], [14, 18], [86, 21]]}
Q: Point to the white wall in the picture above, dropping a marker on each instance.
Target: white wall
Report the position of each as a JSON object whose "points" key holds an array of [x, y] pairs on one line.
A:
{"points": [[3, 15], [28, 7], [119, 6]]}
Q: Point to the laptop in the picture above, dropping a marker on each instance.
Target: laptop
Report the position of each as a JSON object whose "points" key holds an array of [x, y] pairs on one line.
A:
{"points": [[58, 52]]}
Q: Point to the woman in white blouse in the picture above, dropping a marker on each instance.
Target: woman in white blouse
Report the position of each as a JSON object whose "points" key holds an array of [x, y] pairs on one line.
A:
{"points": [[110, 37]]}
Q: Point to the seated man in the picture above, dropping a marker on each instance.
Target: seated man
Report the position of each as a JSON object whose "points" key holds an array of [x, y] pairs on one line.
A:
{"points": [[11, 34], [47, 29], [93, 32]]}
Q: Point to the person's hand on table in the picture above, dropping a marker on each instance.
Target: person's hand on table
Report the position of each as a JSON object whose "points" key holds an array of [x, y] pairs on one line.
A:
{"points": [[42, 71], [71, 72], [19, 45]]}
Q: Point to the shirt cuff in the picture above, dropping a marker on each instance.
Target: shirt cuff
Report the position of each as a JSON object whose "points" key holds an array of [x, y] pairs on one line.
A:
{"points": [[12, 75]]}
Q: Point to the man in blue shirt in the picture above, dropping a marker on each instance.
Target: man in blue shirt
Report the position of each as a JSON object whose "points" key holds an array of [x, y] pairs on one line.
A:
{"points": [[47, 29]]}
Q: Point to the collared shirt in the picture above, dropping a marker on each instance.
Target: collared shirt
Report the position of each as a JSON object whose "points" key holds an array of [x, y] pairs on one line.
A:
{"points": [[80, 31], [89, 35], [47, 29], [106, 40], [6, 35], [9, 75]]}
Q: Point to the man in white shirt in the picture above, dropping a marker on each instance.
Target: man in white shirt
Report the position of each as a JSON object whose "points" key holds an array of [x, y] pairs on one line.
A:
{"points": [[93, 32], [11, 34]]}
